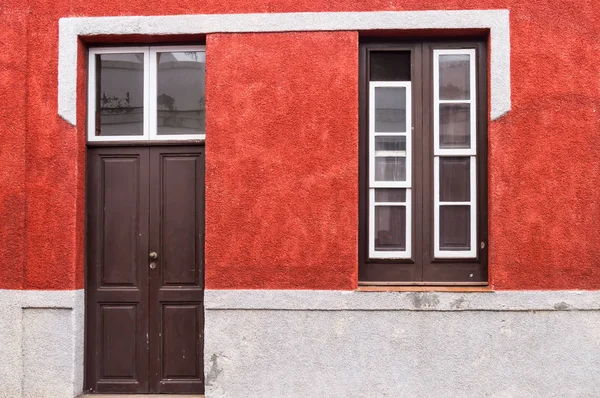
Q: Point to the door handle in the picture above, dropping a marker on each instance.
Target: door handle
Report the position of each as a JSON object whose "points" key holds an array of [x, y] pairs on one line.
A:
{"points": [[153, 255]]}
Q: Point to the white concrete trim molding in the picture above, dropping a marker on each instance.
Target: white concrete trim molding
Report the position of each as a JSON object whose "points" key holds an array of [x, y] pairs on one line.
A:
{"points": [[497, 21], [342, 300], [41, 343]]}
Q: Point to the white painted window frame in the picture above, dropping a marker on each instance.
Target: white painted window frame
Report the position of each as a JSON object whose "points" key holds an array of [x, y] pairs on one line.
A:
{"points": [[390, 254], [153, 117], [470, 152], [407, 184], [91, 102], [373, 134], [71, 29], [472, 203], [150, 114]]}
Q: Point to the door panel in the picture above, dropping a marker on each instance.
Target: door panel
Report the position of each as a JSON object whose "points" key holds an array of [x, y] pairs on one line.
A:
{"points": [[117, 246], [180, 328], [178, 219], [145, 317], [119, 327], [120, 177], [176, 284]]}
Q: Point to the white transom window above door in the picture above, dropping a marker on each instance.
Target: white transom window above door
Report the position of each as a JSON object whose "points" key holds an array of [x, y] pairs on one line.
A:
{"points": [[146, 93]]}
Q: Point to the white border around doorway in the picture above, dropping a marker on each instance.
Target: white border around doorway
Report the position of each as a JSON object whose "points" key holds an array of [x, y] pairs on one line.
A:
{"points": [[497, 21]]}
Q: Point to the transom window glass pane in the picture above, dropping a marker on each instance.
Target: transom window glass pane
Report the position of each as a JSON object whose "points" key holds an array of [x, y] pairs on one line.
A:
{"points": [[390, 228], [455, 125], [180, 93], [455, 174], [120, 94], [390, 66], [390, 109], [455, 77]]}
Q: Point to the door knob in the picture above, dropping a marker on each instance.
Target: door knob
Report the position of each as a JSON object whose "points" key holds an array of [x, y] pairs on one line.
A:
{"points": [[153, 255]]}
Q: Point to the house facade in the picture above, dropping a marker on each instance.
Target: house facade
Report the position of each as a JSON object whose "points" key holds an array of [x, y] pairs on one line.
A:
{"points": [[300, 198]]}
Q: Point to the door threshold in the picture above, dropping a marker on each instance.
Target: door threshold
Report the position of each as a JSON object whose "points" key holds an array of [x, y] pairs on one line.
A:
{"points": [[141, 396]]}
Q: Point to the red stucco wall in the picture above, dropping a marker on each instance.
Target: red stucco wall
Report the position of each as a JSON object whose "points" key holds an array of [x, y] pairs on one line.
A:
{"points": [[544, 163], [282, 160], [282, 156], [13, 125]]}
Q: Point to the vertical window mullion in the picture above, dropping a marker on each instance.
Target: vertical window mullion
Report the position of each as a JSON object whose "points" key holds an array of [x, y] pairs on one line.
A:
{"points": [[474, 191], [436, 205], [93, 98], [371, 138], [151, 105], [473, 97], [371, 222], [149, 76]]}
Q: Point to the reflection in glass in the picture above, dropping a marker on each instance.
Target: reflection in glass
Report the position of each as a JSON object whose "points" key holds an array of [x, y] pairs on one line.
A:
{"points": [[390, 109], [119, 94], [455, 126], [390, 195], [390, 66], [455, 228], [180, 89], [390, 228], [390, 169], [455, 80], [455, 179], [387, 143]]}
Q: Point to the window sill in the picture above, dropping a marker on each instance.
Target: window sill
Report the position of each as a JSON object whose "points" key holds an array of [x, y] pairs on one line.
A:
{"points": [[459, 289], [352, 300]]}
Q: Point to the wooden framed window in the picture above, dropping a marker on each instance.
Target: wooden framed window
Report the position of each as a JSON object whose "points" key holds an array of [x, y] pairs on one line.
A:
{"points": [[149, 93], [423, 163]]}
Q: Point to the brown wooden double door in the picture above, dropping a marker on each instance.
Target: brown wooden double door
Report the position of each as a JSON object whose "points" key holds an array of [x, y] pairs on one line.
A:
{"points": [[145, 277]]}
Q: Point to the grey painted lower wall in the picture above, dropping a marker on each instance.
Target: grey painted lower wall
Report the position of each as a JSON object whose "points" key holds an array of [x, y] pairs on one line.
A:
{"points": [[338, 344], [358, 344], [41, 343]]}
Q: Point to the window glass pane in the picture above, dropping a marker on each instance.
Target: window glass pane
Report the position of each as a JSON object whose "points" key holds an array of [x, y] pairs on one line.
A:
{"points": [[390, 109], [390, 169], [454, 77], [455, 179], [455, 227], [390, 66], [390, 195], [180, 90], [390, 228], [455, 126], [387, 143], [120, 94]]}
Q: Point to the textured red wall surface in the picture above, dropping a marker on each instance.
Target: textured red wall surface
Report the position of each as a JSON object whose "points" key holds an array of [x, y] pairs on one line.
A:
{"points": [[281, 148], [282, 160], [13, 128]]}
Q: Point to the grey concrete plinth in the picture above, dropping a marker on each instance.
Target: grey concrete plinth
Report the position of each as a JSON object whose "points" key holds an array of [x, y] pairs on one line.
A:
{"points": [[352, 344], [41, 343]]}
